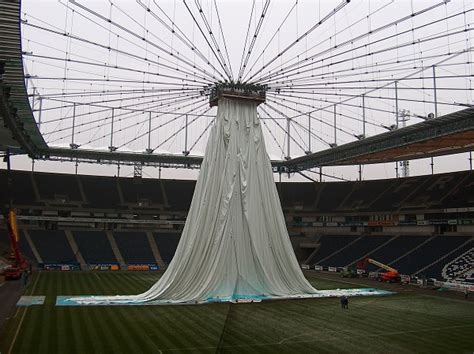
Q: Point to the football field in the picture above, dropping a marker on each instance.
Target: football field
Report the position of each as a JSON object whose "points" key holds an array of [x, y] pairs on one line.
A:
{"points": [[403, 323]]}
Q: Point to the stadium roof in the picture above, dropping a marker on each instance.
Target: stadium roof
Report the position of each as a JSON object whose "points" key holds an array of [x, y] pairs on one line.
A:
{"points": [[19, 128], [452, 133]]}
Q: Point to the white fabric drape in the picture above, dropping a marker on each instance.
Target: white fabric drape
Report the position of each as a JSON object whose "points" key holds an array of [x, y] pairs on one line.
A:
{"points": [[235, 244]]}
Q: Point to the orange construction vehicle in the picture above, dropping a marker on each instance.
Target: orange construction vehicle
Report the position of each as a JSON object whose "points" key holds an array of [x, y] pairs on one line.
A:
{"points": [[391, 275], [19, 264]]}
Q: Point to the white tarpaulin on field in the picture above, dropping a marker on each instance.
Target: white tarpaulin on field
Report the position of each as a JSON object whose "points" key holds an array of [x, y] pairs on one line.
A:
{"points": [[234, 244]]}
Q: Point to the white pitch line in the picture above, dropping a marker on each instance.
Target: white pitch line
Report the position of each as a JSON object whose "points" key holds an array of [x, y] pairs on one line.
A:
{"points": [[22, 318], [318, 339]]}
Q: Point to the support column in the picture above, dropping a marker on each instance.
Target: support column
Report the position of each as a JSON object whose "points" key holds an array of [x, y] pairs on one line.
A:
{"points": [[363, 116], [186, 152], [363, 132], [335, 129], [73, 145], [40, 112], [149, 150], [435, 96], [396, 122], [396, 103], [112, 147], [309, 132], [435, 93], [288, 156]]}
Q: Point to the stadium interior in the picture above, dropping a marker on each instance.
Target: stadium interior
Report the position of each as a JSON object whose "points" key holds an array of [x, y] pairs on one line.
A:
{"points": [[420, 225], [135, 86]]}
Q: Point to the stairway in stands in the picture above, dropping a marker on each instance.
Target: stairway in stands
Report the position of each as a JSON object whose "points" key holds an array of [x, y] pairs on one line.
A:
{"points": [[115, 249], [461, 267]]}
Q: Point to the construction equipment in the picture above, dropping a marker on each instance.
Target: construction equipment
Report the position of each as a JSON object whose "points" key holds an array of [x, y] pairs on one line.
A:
{"points": [[349, 273], [19, 265], [391, 275]]}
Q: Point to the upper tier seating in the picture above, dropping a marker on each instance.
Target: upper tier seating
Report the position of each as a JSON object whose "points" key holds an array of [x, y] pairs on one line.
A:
{"points": [[433, 191], [53, 246], [179, 193], [94, 247], [141, 190], [101, 192], [55, 186], [421, 192], [332, 195], [358, 198], [393, 198], [21, 192], [134, 247], [462, 195], [298, 194]]}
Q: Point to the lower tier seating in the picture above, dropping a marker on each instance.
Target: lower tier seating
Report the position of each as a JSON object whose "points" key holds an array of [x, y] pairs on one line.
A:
{"points": [[94, 247], [355, 251], [52, 246], [435, 271], [461, 266], [428, 253], [167, 243], [329, 245], [134, 247]]}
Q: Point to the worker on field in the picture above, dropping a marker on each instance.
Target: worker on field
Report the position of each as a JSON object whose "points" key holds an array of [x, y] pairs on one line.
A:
{"points": [[344, 302]]}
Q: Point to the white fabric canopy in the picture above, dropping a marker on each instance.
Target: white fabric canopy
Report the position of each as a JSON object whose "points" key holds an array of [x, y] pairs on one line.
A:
{"points": [[234, 244]]}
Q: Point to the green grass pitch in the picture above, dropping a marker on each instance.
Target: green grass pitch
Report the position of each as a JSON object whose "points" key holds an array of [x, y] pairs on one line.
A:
{"points": [[408, 323]]}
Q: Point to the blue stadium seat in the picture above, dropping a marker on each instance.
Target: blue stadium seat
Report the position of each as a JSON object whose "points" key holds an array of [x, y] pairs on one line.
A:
{"points": [[355, 251], [142, 190], [330, 244], [52, 186], [179, 193], [435, 270], [298, 194], [167, 243], [53, 246], [395, 249], [332, 195], [134, 247], [94, 247], [428, 253], [101, 192]]}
